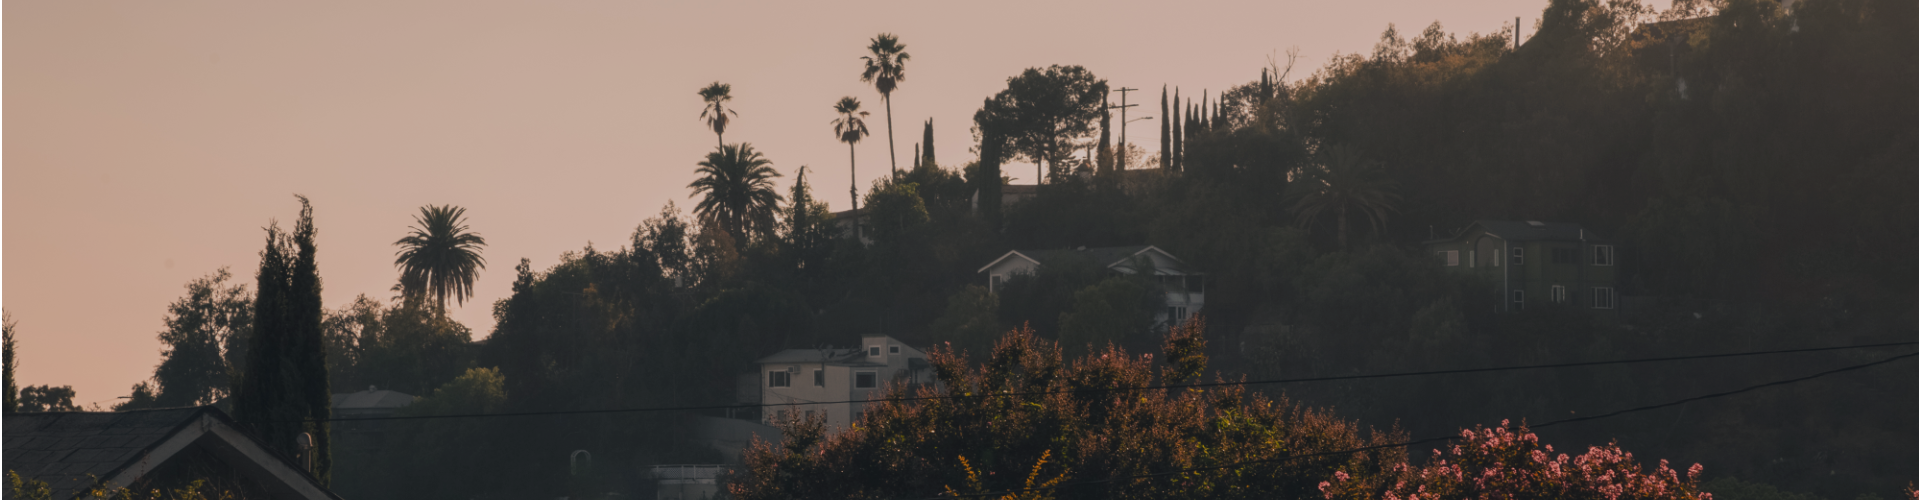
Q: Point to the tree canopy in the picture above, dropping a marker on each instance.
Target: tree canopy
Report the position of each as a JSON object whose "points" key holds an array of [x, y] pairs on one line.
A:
{"points": [[1044, 113]]}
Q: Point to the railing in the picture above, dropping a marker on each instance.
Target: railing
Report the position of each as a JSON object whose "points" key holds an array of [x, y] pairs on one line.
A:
{"points": [[687, 471]]}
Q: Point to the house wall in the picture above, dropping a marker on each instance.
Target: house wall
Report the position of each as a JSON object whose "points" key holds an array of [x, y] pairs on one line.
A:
{"points": [[803, 396], [1492, 258], [1007, 268]]}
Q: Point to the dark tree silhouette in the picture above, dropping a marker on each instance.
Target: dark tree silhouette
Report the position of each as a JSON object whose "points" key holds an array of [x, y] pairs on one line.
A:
{"points": [[1044, 113], [849, 128], [716, 95], [440, 258], [886, 68], [738, 184]]}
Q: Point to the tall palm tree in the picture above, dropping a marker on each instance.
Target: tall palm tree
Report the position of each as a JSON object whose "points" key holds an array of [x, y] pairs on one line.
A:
{"points": [[717, 95], [738, 184], [886, 68], [440, 258], [1341, 181], [849, 128]]}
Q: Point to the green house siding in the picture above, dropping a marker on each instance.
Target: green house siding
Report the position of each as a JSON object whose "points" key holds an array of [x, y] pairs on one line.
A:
{"points": [[1527, 260]]}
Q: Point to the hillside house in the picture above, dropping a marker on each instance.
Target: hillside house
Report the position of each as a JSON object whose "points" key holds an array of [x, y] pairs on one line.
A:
{"points": [[1184, 287], [845, 221], [1010, 194], [828, 383], [1535, 262], [151, 449]]}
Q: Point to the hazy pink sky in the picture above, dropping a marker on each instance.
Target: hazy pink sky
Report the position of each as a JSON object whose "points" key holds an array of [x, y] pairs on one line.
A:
{"points": [[147, 143]]}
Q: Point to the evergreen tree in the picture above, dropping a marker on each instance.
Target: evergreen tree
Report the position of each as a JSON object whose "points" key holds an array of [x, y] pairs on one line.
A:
{"points": [[987, 176], [13, 391], [1166, 139], [926, 153], [285, 391], [1105, 153], [1179, 139]]}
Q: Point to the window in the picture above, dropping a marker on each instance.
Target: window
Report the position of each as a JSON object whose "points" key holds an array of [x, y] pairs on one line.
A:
{"points": [[1558, 294], [779, 379], [997, 283], [1566, 255], [1473, 258], [866, 380], [1603, 255], [1519, 256], [873, 351], [1603, 297], [893, 349], [1519, 299], [1451, 257], [1176, 314], [819, 378]]}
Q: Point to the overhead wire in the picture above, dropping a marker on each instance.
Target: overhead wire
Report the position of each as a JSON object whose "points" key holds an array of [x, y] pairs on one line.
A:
{"points": [[1099, 390], [1435, 439]]}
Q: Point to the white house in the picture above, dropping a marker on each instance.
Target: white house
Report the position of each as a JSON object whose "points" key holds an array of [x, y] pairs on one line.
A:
{"points": [[1185, 288], [832, 382]]}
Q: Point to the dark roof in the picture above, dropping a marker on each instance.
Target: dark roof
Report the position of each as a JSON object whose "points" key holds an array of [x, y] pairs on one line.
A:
{"points": [[1020, 189], [1104, 256], [1513, 230], [371, 398], [65, 448], [70, 451], [830, 356]]}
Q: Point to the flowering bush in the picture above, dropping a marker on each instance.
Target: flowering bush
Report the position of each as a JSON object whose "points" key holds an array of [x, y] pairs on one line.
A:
{"points": [[1091, 429], [1498, 463]]}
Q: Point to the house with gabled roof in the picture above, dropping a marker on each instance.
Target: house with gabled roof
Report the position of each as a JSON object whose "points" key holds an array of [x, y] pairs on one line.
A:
{"points": [[1185, 287], [1535, 262], [832, 383], [74, 452]]}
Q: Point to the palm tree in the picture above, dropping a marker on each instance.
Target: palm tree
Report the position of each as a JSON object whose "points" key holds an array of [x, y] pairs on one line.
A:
{"points": [[738, 184], [886, 68], [716, 111], [1342, 181], [440, 258], [849, 128]]}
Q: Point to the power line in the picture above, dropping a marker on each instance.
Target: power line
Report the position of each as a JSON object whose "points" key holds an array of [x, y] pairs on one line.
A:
{"points": [[1126, 389], [1442, 438]]}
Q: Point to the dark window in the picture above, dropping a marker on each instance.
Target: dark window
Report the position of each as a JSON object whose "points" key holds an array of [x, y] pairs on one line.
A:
{"points": [[873, 350], [779, 379], [866, 380], [1603, 255], [1603, 297], [893, 349], [1519, 256], [1519, 299], [1565, 255], [819, 378]]}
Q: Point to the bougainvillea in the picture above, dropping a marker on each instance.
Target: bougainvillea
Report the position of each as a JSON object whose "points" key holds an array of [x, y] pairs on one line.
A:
{"points": [[1083, 427], [1499, 463]]}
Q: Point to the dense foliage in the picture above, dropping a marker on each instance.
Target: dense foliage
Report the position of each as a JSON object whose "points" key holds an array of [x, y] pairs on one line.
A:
{"points": [[1079, 419], [284, 391], [1753, 165]]}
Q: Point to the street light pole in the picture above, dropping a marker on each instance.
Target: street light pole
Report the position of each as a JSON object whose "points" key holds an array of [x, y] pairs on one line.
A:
{"points": [[1121, 155]]}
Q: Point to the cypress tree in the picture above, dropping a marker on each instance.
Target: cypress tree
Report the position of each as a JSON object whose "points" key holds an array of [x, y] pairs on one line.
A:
{"points": [[1179, 139], [916, 156], [1104, 155], [13, 390], [284, 391], [988, 174], [1166, 138], [926, 155]]}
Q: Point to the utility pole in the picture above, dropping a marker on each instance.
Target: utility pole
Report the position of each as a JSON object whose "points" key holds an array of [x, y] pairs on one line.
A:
{"points": [[1120, 157]]}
